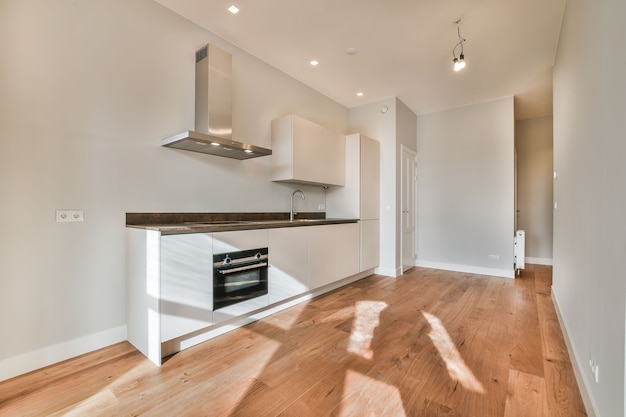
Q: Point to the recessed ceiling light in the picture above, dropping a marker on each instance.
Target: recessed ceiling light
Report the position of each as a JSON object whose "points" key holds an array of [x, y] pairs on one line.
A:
{"points": [[314, 63], [233, 9], [215, 144], [351, 51], [360, 94], [247, 151]]}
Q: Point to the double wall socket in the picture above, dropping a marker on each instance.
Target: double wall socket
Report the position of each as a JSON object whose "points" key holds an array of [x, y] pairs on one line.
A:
{"points": [[65, 215]]}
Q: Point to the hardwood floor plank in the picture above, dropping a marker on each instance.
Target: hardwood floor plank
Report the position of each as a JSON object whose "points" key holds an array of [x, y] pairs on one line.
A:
{"points": [[526, 354], [526, 396], [428, 343]]}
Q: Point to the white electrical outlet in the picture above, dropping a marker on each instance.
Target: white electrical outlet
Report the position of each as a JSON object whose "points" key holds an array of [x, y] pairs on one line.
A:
{"points": [[77, 215], [66, 215], [595, 368], [321, 207], [63, 215]]}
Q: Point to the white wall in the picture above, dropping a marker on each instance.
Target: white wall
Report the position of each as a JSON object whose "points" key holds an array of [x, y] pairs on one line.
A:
{"points": [[533, 143], [391, 127], [465, 188], [88, 90], [589, 283]]}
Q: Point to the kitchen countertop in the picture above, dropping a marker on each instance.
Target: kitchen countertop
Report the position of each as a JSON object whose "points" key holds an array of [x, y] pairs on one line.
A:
{"points": [[180, 223]]}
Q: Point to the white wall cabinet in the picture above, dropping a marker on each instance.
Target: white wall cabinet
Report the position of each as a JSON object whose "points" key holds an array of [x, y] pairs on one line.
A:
{"points": [[360, 197], [289, 263], [333, 158], [305, 152]]}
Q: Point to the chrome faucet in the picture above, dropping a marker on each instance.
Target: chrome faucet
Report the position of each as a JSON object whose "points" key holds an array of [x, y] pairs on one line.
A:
{"points": [[293, 213]]}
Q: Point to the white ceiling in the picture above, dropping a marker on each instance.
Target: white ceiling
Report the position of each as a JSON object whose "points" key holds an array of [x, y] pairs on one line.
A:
{"points": [[404, 47]]}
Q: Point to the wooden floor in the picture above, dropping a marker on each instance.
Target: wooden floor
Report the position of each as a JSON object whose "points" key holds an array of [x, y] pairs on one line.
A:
{"points": [[429, 343]]}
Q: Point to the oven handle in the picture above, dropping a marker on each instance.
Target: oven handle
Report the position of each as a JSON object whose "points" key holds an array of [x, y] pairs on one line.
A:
{"points": [[242, 268]]}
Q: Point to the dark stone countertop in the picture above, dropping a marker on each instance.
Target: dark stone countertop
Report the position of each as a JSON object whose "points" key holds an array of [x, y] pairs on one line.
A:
{"points": [[180, 223]]}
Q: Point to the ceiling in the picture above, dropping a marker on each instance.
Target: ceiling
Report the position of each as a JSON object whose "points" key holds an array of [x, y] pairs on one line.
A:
{"points": [[403, 47]]}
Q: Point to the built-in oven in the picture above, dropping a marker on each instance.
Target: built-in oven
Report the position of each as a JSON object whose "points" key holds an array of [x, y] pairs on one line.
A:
{"points": [[239, 276]]}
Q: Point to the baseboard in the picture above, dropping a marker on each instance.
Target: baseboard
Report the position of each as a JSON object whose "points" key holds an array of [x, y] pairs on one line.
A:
{"points": [[30, 361], [505, 273], [389, 272], [590, 406], [539, 261]]}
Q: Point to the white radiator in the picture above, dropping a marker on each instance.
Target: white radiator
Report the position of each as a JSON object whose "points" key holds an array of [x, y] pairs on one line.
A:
{"points": [[519, 251]]}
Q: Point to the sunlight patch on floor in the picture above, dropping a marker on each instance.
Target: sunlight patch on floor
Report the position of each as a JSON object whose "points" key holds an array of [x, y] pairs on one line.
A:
{"points": [[457, 369], [365, 396], [367, 318]]}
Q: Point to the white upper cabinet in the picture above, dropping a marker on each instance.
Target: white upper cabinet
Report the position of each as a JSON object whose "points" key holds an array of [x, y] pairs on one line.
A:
{"points": [[370, 177], [305, 152], [361, 195], [333, 157]]}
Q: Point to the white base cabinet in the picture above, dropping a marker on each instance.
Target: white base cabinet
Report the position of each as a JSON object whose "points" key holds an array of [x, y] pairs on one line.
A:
{"points": [[289, 263], [169, 289], [170, 279], [348, 241], [186, 296], [369, 246], [322, 256]]}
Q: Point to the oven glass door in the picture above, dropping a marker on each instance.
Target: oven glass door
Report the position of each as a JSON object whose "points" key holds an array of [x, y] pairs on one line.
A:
{"points": [[239, 276]]}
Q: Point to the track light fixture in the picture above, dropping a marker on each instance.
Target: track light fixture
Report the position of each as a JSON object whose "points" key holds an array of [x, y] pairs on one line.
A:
{"points": [[459, 63]]}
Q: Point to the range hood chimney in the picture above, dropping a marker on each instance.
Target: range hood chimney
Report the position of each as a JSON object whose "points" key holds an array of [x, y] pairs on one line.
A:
{"points": [[213, 129]]}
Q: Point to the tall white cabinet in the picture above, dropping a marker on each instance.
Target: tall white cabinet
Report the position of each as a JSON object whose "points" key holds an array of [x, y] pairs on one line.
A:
{"points": [[360, 197]]}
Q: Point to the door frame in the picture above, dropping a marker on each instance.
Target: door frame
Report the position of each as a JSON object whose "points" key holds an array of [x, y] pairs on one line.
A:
{"points": [[408, 213]]}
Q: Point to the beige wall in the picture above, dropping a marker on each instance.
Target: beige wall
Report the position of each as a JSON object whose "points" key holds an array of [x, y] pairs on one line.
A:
{"points": [[589, 283], [533, 143], [87, 91], [465, 188]]}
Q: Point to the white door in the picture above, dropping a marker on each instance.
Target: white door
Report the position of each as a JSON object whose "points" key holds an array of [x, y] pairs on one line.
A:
{"points": [[409, 161]]}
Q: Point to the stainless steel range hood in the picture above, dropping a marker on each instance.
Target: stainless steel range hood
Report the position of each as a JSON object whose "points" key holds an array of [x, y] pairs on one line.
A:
{"points": [[213, 129]]}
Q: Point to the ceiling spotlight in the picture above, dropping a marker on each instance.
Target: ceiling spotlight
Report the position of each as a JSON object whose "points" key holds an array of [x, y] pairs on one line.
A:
{"points": [[233, 9], [314, 63], [360, 94], [459, 63]]}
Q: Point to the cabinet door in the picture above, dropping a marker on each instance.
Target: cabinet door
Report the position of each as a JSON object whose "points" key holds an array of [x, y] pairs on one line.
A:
{"points": [[307, 151], [186, 302], [289, 263], [224, 242], [348, 237], [370, 236], [370, 178], [322, 255], [333, 158]]}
